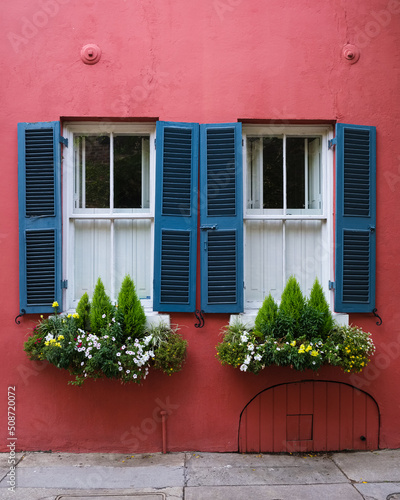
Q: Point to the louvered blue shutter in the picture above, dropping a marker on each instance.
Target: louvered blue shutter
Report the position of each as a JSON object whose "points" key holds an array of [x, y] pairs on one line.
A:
{"points": [[355, 218], [221, 214], [39, 194], [177, 146]]}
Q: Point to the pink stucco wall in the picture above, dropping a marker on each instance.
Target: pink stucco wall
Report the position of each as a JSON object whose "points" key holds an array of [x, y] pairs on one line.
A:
{"points": [[208, 61]]}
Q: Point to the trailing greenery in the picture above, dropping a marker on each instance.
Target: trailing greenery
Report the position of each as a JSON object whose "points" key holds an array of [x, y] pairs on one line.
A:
{"points": [[115, 343], [300, 333]]}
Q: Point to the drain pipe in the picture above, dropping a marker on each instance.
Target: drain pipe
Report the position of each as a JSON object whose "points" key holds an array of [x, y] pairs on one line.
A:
{"points": [[164, 430]]}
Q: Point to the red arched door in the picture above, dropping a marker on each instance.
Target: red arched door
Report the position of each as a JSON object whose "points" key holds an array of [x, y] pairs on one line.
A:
{"points": [[309, 416]]}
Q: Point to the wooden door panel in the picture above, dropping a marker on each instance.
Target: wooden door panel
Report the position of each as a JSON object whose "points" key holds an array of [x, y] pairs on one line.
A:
{"points": [[309, 416]]}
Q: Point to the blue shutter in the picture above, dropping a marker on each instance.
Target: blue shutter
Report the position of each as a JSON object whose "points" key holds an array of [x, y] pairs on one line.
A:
{"points": [[176, 216], [355, 218], [39, 195], [221, 218]]}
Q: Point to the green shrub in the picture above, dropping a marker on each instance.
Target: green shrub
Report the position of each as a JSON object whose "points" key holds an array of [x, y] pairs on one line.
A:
{"points": [[292, 300], [101, 310], [266, 316], [317, 301], [130, 309], [83, 310]]}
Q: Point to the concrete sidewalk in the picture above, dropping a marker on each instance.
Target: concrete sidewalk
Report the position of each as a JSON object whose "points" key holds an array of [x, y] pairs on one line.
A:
{"points": [[202, 476]]}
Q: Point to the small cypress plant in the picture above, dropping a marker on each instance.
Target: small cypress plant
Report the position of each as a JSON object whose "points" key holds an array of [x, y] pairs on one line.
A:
{"points": [[266, 316], [83, 310], [101, 308], [292, 301], [317, 301], [131, 309]]}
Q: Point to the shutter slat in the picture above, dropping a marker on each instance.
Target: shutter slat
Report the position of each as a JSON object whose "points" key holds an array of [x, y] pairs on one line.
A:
{"points": [[355, 218]]}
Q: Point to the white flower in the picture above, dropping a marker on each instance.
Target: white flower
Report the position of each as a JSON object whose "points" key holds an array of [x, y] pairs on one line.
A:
{"points": [[244, 338], [257, 357], [82, 363], [243, 368], [120, 368], [103, 316], [119, 362], [250, 347], [123, 347], [278, 348], [90, 356], [118, 354], [113, 338], [128, 371]]}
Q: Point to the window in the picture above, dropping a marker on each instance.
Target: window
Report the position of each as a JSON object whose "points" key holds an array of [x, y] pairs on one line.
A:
{"points": [[130, 208], [109, 216], [288, 180]]}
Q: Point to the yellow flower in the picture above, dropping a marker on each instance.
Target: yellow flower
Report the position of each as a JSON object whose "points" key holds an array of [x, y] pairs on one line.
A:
{"points": [[60, 337], [55, 304], [69, 316], [293, 343], [308, 348], [314, 353], [75, 315]]}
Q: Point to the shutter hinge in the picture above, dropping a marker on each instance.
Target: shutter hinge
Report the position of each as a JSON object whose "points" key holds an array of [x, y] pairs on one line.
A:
{"points": [[64, 141], [155, 143], [242, 142], [332, 285], [332, 143], [64, 284]]}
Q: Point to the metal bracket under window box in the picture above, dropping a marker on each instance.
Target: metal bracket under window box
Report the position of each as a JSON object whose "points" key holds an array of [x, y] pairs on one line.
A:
{"points": [[331, 285], [64, 140], [64, 284]]}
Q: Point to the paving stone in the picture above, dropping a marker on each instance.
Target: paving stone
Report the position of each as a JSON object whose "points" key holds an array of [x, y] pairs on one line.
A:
{"points": [[379, 491], [98, 477], [374, 466], [257, 473], [298, 492]]}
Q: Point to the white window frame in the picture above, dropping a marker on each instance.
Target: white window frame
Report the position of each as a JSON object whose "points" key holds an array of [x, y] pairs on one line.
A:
{"points": [[69, 214], [327, 182]]}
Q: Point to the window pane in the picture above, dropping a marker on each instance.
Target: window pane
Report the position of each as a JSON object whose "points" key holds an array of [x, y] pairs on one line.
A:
{"points": [[92, 171], [314, 173], [273, 172], [91, 256], [263, 260], [133, 254], [305, 252], [131, 170], [295, 172]]}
